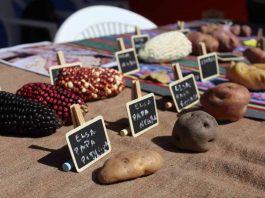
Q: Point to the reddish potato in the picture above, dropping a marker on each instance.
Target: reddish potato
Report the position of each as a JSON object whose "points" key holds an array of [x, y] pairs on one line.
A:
{"points": [[226, 102], [211, 43]]}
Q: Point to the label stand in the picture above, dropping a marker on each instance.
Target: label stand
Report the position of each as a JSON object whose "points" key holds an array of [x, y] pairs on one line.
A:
{"points": [[60, 58], [135, 94], [77, 119], [203, 50], [121, 44], [177, 75], [181, 27], [137, 30], [260, 39]]}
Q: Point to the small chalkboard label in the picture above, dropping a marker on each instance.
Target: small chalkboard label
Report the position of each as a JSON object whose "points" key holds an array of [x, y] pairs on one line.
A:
{"points": [[127, 61], [184, 92], [55, 70], [88, 143], [138, 41], [142, 113], [228, 56], [208, 65]]}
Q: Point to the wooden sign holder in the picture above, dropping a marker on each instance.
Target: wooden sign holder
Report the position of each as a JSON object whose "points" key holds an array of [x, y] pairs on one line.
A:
{"points": [[177, 75], [135, 94], [61, 63], [181, 27], [260, 39], [137, 30], [78, 120], [203, 50], [121, 44]]}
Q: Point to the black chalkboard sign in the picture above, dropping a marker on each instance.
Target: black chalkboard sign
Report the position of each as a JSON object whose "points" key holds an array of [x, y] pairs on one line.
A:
{"points": [[55, 70], [208, 65], [142, 113], [229, 56], [127, 61], [88, 143], [138, 41], [184, 92]]}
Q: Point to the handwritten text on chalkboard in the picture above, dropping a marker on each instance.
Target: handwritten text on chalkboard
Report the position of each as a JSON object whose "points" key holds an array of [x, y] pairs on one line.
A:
{"points": [[142, 114], [88, 143], [184, 92], [138, 41], [208, 65], [127, 61]]}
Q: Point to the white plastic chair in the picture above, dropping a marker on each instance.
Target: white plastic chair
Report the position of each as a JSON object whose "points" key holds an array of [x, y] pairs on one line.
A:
{"points": [[97, 21]]}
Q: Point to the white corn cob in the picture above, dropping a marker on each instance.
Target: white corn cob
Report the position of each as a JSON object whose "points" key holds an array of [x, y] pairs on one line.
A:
{"points": [[167, 46]]}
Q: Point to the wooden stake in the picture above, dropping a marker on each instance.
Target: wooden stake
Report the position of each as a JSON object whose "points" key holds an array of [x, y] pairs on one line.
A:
{"points": [[77, 119], [261, 43], [177, 71], [60, 58], [136, 89], [137, 30], [77, 116], [202, 48], [260, 33], [121, 44], [136, 93], [177, 75]]}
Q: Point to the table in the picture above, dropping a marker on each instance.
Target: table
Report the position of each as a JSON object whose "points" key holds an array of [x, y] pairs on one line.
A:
{"points": [[233, 167]]}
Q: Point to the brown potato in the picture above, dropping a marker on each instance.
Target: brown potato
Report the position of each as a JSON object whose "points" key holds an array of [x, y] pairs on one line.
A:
{"points": [[227, 40], [251, 76], [195, 131], [211, 43], [129, 165], [255, 55], [226, 102], [246, 30], [235, 29]]}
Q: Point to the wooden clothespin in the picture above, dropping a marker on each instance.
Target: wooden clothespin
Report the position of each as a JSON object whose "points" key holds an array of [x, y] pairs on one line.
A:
{"points": [[121, 44], [177, 75], [135, 94], [137, 30], [60, 58], [203, 50], [78, 120], [260, 39]]}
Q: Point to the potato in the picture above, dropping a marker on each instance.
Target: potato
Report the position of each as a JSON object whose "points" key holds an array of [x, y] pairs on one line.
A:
{"points": [[226, 101], [236, 29], [209, 28], [195, 131], [227, 40], [129, 165], [251, 76], [255, 55], [246, 30], [196, 37]]}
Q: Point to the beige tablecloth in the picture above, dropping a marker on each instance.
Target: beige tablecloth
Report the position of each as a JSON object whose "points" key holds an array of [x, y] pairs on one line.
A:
{"points": [[234, 167]]}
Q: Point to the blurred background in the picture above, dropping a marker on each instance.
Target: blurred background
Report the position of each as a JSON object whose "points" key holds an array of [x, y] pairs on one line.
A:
{"points": [[37, 20]]}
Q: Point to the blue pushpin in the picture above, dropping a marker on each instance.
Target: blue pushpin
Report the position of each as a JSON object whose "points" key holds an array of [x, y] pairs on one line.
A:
{"points": [[67, 166]]}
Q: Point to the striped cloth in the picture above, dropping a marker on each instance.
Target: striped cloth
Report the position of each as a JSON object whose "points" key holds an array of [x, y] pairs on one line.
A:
{"points": [[108, 45]]}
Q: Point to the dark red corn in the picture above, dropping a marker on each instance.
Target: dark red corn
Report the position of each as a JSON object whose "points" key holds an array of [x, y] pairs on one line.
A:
{"points": [[53, 97]]}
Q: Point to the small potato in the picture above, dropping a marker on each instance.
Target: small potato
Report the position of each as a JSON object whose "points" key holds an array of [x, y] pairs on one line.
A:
{"points": [[246, 30], [255, 55], [211, 43], [227, 40], [235, 29], [129, 165]]}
